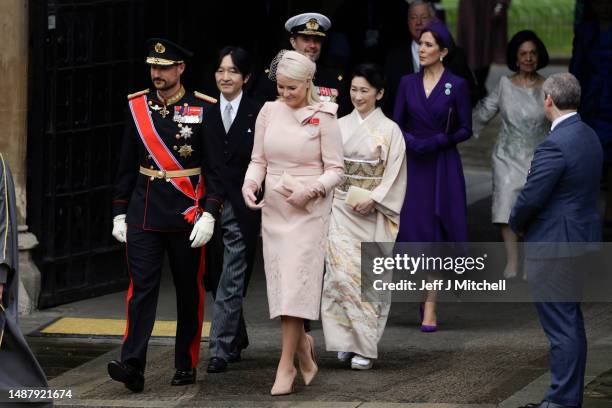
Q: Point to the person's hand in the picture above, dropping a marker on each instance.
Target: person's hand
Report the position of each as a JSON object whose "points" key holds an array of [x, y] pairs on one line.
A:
{"points": [[249, 188], [365, 207], [202, 230], [301, 196], [317, 189], [120, 228]]}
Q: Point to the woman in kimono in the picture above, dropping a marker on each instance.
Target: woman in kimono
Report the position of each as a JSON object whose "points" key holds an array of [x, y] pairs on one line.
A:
{"points": [[433, 110], [374, 160], [518, 99], [297, 152]]}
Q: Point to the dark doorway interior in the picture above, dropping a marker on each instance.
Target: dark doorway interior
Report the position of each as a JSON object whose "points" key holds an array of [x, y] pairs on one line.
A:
{"points": [[85, 57]]}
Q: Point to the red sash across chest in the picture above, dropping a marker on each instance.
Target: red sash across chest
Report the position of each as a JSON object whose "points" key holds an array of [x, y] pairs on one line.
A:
{"points": [[163, 157]]}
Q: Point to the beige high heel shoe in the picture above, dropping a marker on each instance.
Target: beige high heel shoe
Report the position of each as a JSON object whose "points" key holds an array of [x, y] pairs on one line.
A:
{"points": [[283, 385], [308, 376]]}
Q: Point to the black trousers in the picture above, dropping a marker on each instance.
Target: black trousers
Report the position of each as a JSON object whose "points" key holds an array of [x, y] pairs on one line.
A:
{"points": [[145, 255]]}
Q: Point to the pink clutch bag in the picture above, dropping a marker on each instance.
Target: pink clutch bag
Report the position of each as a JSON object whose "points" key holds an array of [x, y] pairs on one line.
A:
{"points": [[287, 184]]}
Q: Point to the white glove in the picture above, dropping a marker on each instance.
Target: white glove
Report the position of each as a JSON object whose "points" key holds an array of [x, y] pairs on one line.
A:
{"points": [[202, 230], [120, 228]]}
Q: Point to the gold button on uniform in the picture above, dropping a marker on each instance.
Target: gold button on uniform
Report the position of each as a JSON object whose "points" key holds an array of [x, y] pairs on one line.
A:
{"points": [[175, 147]]}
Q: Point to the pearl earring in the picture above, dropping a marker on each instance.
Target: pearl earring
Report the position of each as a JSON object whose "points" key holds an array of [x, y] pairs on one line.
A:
{"points": [[441, 58]]}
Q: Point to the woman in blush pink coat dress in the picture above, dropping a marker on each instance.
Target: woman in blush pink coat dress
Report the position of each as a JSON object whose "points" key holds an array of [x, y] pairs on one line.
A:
{"points": [[298, 154]]}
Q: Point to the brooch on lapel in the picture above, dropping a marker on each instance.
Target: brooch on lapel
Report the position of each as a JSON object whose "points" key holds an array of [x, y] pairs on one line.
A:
{"points": [[448, 87], [312, 126]]}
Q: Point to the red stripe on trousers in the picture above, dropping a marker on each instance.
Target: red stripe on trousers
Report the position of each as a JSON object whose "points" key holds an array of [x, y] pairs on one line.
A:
{"points": [[130, 293]]}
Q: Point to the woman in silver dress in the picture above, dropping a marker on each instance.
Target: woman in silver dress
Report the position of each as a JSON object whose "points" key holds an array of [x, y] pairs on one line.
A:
{"points": [[518, 99]]}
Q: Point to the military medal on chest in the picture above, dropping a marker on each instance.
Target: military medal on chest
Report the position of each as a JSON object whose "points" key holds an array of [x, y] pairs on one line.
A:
{"points": [[162, 110], [188, 114], [185, 150], [182, 115], [327, 94], [185, 132]]}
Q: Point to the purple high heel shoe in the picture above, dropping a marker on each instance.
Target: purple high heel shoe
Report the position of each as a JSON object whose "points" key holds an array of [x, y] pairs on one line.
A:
{"points": [[426, 328]]}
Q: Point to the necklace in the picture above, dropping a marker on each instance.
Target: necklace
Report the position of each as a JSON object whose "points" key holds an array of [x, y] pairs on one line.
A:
{"points": [[435, 79], [527, 83]]}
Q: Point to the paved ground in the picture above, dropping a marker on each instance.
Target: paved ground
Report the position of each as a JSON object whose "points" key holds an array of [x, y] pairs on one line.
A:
{"points": [[484, 355]]}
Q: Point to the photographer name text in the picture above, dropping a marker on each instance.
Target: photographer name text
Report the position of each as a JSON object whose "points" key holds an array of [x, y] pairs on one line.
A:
{"points": [[441, 285]]}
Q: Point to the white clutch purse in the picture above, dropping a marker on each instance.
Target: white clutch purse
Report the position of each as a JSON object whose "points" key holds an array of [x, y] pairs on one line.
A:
{"points": [[356, 194]]}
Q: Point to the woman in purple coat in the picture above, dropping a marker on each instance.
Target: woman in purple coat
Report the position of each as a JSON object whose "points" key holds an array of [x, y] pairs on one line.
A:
{"points": [[433, 110]]}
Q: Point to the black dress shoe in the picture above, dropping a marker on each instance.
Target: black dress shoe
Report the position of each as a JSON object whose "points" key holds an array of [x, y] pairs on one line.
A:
{"points": [[216, 365], [530, 405], [234, 356], [184, 377], [132, 377]]}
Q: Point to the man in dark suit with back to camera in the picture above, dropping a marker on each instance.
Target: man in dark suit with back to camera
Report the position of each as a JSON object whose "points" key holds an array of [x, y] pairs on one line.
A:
{"points": [[556, 212], [166, 199], [230, 130]]}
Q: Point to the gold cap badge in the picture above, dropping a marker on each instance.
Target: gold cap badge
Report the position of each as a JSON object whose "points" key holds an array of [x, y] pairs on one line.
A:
{"points": [[159, 48], [312, 24]]}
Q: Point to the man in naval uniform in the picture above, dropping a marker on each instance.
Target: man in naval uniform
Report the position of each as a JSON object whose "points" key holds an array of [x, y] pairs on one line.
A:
{"points": [[166, 200], [306, 34]]}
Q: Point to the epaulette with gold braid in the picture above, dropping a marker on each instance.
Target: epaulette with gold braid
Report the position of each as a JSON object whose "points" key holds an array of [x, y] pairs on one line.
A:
{"points": [[204, 97], [139, 93]]}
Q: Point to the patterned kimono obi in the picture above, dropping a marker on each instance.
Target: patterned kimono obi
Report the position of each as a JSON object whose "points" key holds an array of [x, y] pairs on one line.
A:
{"points": [[367, 174]]}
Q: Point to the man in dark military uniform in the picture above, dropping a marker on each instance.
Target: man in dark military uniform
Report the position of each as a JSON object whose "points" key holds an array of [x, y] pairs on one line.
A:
{"points": [[165, 176], [307, 32]]}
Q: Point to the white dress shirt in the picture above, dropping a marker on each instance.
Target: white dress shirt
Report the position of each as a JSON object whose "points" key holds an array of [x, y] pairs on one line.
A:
{"points": [[561, 119], [235, 104], [415, 56]]}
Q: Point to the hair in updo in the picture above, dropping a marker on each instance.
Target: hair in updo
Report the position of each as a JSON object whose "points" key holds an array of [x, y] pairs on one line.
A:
{"points": [[372, 73], [296, 66]]}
